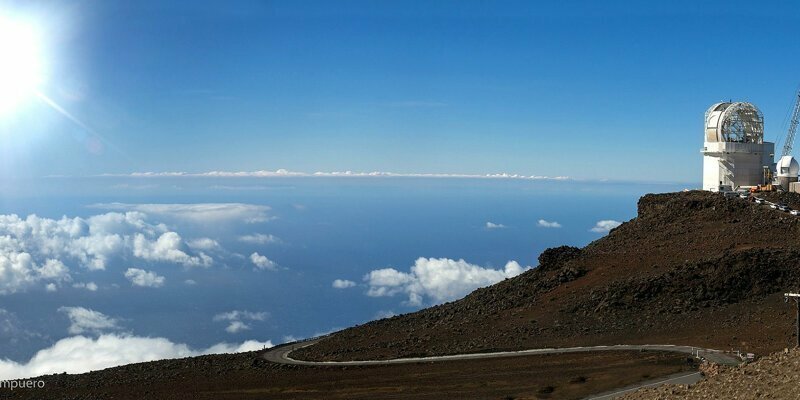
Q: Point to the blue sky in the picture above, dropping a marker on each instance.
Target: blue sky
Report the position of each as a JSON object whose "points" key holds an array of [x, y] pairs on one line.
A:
{"points": [[613, 91]]}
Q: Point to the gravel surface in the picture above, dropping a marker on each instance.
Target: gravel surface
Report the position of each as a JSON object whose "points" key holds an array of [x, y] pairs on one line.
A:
{"points": [[776, 376]]}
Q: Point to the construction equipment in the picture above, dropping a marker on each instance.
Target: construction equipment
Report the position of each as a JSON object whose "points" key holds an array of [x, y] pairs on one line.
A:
{"points": [[766, 183], [763, 188], [787, 145]]}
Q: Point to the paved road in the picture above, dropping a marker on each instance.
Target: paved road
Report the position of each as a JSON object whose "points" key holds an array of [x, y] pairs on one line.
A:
{"points": [[681, 378], [280, 354]]}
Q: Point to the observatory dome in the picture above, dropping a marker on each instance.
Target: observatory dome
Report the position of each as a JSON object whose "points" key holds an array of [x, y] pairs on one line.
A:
{"points": [[787, 167], [734, 122]]}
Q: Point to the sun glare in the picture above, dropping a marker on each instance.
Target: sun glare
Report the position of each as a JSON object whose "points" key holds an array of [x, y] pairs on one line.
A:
{"points": [[21, 66]]}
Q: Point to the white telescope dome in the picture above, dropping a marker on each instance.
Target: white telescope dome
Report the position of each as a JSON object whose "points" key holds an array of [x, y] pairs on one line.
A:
{"points": [[787, 166], [734, 122]]}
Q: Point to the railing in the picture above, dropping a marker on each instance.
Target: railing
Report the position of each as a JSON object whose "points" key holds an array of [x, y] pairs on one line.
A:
{"points": [[733, 147]]}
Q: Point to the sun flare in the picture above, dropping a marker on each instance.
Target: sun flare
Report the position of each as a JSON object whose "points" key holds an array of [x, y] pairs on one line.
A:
{"points": [[21, 65]]}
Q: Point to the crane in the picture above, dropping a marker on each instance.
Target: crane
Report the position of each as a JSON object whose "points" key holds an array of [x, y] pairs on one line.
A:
{"points": [[769, 185], [787, 146]]}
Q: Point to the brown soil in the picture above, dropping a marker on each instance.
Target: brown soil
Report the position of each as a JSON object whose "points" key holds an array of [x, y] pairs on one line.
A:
{"points": [[247, 376], [774, 377], [694, 268]]}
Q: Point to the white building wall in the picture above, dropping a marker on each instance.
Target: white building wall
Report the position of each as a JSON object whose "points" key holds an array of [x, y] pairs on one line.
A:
{"points": [[712, 174], [735, 164]]}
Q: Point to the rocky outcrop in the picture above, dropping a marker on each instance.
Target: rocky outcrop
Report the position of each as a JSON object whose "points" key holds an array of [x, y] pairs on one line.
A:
{"points": [[774, 377]]}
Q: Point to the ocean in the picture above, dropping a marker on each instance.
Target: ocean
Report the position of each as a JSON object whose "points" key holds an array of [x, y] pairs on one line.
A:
{"points": [[256, 258]]}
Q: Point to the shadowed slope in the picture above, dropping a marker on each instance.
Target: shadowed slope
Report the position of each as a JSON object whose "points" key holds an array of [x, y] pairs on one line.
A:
{"points": [[693, 268]]}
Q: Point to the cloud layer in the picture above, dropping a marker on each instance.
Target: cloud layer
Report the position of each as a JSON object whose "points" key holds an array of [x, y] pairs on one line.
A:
{"points": [[287, 173], [205, 213], [78, 354], [38, 250], [259, 238], [436, 280]]}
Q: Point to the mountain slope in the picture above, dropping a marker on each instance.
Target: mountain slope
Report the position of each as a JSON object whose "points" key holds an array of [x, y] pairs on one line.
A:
{"points": [[693, 268]]}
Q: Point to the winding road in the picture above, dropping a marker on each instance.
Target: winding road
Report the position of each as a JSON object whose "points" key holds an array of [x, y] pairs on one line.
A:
{"points": [[281, 354]]}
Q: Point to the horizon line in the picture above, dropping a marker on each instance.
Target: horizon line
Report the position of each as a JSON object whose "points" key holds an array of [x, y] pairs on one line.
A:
{"points": [[285, 173]]}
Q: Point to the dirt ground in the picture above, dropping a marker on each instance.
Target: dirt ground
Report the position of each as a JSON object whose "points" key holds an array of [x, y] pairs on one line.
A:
{"points": [[776, 376], [247, 376]]}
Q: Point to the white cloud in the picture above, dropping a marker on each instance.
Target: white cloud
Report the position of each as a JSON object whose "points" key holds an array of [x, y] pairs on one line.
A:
{"points": [[239, 315], [140, 277], [51, 287], [79, 354], [548, 224], [262, 262], [236, 326], [190, 282], [437, 279], [236, 319], [167, 248], [206, 213], [84, 320], [605, 225], [37, 250], [90, 286], [259, 238], [19, 270], [343, 284], [286, 173], [492, 225], [55, 270], [206, 244]]}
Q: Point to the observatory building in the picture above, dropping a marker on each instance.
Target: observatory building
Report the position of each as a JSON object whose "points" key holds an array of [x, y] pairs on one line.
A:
{"points": [[734, 152], [786, 171]]}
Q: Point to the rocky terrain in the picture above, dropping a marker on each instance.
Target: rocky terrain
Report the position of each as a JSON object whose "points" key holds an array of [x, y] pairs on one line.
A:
{"points": [[774, 377], [694, 268]]}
